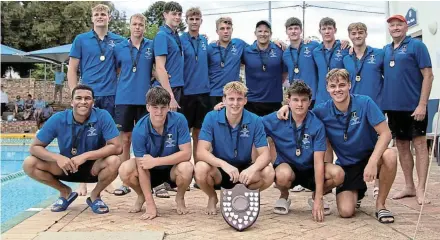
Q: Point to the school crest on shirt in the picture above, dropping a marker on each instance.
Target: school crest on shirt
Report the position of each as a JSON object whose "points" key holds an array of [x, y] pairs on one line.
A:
{"points": [[354, 120], [371, 59], [203, 46], [234, 50], [306, 141], [148, 53], [91, 132], [307, 52], [403, 49], [338, 55], [111, 43], [272, 53], [244, 132], [170, 142]]}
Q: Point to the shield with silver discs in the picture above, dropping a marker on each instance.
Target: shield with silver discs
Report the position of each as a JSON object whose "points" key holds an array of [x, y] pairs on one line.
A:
{"points": [[240, 206]]}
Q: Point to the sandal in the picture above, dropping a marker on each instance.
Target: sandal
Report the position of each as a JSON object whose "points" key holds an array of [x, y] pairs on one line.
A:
{"points": [[97, 206], [161, 192], [122, 190], [358, 203], [282, 206], [383, 214], [375, 192], [62, 204]]}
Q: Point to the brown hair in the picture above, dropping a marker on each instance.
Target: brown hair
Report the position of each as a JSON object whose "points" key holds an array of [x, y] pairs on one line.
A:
{"points": [[338, 73], [158, 96], [299, 87], [172, 7], [357, 26], [139, 16], [327, 22], [293, 21], [194, 11], [226, 20]]}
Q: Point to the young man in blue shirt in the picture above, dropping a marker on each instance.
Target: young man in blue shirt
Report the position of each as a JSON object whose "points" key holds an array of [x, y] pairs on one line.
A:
{"points": [[162, 150], [265, 73], [298, 57], [93, 54], [59, 80], [168, 52], [300, 144], [134, 60], [89, 146], [408, 82], [225, 146]]}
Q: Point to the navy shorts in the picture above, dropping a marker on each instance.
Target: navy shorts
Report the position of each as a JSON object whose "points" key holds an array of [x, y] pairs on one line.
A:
{"points": [[226, 179], [128, 115], [261, 108], [107, 103], [83, 175], [215, 100], [354, 179], [159, 175], [195, 107], [178, 93], [305, 178]]}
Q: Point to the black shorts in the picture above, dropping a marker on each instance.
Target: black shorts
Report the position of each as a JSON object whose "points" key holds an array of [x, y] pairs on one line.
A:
{"points": [[226, 179], [404, 127], [178, 93], [127, 115], [195, 107], [262, 109], [159, 175], [215, 100], [305, 178], [83, 175], [107, 103], [354, 179]]}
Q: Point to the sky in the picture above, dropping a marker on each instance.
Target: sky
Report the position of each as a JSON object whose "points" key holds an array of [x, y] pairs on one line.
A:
{"points": [[244, 22]]}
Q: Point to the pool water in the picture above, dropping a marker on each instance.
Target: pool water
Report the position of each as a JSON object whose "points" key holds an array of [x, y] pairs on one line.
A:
{"points": [[18, 191]]}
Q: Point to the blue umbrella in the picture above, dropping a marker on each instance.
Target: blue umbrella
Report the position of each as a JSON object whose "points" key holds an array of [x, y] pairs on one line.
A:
{"points": [[12, 55], [59, 54]]}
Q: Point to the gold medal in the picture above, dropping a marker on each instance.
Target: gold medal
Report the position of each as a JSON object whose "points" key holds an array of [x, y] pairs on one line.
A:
{"points": [[298, 152], [358, 78], [73, 151], [102, 58], [392, 63], [134, 69], [296, 70], [222, 64]]}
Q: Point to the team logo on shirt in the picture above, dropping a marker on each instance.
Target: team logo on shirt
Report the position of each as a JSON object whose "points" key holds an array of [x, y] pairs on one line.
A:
{"points": [[307, 52], [111, 43], [354, 119], [403, 49], [203, 46], [244, 132], [306, 141], [338, 55], [170, 142], [372, 59], [148, 53], [272, 53], [234, 50], [91, 132]]}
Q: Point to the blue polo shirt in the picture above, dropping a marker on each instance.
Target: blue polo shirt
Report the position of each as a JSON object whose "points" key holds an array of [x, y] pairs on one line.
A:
{"points": [[306, 64], [324, 59], [167, 43], [195, 71], [370, 68], [99, 75], [220, 76], [39, 104], [59, 78], [146, 140], [215, 130], [403, 82], [362, 138], [285, 135], [133, 86], [93, 134], [264, 86]]}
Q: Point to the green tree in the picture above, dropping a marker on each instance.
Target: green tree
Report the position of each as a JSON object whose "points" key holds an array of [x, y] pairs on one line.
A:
{"points": [[154, 15]]}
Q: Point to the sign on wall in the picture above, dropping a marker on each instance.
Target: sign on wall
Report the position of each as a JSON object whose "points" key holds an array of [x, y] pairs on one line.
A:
{"points": [[411, 17]]}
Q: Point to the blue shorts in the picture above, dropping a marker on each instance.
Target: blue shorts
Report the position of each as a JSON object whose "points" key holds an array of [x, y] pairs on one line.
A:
{"points": [[107, 103]]}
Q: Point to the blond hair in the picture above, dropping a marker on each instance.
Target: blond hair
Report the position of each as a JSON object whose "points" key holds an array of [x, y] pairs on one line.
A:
{"points": [[226, 20], [194, 11], [235, 86], [357, 26], [101, 8], [138, 16], [337, 74]]}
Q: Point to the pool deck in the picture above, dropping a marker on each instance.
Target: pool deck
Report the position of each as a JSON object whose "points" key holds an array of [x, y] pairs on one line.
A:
{"points": [[298, 224]]}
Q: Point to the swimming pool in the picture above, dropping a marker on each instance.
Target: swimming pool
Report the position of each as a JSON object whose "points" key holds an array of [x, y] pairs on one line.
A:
{"points": [[21, 196]]}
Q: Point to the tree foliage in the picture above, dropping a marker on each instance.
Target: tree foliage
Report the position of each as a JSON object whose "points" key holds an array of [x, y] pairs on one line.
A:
{"points": [[154, 15]]}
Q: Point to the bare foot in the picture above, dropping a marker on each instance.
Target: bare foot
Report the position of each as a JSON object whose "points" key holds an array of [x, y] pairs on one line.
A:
{"points": [[420, 199], [181, 208], [404, 193], [212, 205], [82, 189], [137, 205], [150, 212]]}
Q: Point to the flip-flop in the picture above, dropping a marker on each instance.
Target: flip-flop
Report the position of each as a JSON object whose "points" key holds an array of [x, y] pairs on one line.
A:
{"points": [[161, 193], [375, 192], [298, 188], [282, 206], [121, 191], [97, 206], [358, 203], [62, 204], [384, 213], [327, 209]]}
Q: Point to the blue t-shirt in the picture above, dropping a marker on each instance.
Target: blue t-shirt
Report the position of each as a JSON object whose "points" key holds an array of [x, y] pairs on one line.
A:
{"points": [[133, 86], [167, 43], [285, 135], [59, 78], [195, 70], [403, 82], [264, 85], [91, 135], [225, 141], [370, 70], [364, 115], [146, 140], [306, 65], [326, 60], [219, 76], [39, 104], [99, 75]]}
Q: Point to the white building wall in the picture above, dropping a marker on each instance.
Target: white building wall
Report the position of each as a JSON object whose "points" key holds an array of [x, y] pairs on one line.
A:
{"points": [[427, 14]]}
